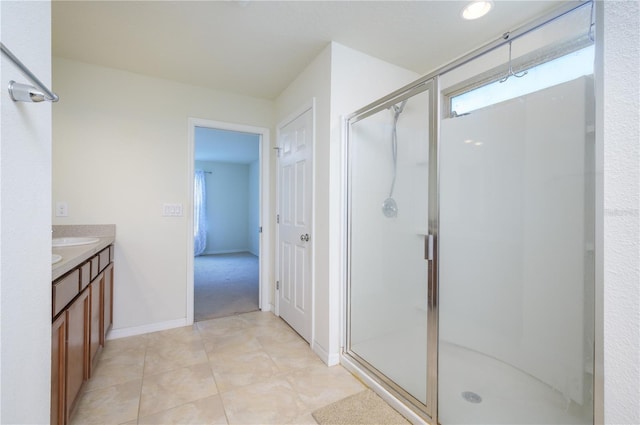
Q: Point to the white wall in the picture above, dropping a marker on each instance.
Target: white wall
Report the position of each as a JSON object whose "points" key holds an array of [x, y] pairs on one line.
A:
{"points": [[228, 207], [25, 221], [618, 130], [120, 150]]}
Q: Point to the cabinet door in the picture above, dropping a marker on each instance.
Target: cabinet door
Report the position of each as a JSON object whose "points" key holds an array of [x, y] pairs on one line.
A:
{"points": [[58, 363], [77, 348], [108, 302], [95, 331]]}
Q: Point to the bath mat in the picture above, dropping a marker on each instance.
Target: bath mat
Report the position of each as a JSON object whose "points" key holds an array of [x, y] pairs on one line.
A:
{"points": [[364, 408]]}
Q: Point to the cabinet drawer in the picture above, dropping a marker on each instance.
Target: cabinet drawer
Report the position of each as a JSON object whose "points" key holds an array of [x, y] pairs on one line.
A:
{"points": [[94, 267], [64, 290], [104, 258], [85, 275]]}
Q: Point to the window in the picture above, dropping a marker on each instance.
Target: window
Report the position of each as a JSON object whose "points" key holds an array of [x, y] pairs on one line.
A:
{"points": [[547, 74]]}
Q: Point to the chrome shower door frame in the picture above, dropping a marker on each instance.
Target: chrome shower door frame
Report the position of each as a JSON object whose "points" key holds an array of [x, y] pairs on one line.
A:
{"points": [[427, 411]]}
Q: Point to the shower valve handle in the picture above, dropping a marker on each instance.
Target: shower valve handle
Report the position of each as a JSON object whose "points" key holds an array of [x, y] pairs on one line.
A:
{"points": [[305, 237]]}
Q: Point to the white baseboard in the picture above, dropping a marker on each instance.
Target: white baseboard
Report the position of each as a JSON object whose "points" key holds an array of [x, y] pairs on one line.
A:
{"points": [[145, 329], [328, 359], [228, 251]]}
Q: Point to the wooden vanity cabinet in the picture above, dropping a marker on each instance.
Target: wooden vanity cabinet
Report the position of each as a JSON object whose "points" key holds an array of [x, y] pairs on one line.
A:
{"points": [[107, 313], [82, 315], [58, 369], [76, 352], [95, 330]]}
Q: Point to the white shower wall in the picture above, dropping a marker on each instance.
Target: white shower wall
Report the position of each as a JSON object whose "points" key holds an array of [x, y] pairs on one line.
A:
{"points": [[514, 238]]}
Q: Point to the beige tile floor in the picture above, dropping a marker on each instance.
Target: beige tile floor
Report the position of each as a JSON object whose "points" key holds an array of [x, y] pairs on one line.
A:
{"points": [[246, 369]]}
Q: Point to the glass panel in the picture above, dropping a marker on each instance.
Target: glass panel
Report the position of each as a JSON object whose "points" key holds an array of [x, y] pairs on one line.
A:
{"points": [[388, 166], [565, 68], [516, 260]]}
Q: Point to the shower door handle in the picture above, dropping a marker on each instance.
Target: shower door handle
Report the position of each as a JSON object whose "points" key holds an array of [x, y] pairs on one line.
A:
{"points": [[428, 247]]}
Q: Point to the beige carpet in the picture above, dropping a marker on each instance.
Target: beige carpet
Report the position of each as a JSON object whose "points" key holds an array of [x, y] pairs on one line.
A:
{"points": [[364, 408], [225, 284]]}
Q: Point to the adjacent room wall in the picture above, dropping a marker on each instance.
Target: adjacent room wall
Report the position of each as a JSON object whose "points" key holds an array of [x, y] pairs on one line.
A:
{"points": [[120, 150], [25, 221], [230, 207]]}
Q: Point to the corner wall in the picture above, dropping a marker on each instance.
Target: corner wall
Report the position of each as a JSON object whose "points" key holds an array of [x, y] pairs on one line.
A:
{"points": [[25, 220]]}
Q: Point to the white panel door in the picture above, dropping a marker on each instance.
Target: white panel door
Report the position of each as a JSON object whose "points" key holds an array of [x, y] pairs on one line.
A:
{"points": [[294, 227]]}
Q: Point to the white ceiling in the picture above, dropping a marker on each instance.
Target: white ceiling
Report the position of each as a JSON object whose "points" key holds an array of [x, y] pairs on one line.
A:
{"points": [[213, 144], [257, 48]]}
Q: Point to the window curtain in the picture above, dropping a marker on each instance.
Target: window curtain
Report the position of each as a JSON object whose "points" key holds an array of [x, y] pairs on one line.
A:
{"points": [[199, 213]]}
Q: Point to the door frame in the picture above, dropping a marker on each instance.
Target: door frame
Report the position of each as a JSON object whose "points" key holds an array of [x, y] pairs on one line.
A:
{"points": [[264, 261], [309, 105]]}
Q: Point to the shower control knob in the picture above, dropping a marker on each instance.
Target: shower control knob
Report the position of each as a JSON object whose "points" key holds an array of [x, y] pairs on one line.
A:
{"points": [[305, 237]]}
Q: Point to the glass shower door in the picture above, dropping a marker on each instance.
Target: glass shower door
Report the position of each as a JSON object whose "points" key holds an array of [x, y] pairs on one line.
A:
{"points": [[387, 228], [515, 253]]}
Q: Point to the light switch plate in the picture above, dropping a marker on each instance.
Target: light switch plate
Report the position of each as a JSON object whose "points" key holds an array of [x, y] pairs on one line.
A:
{"points": [[172, 210]]}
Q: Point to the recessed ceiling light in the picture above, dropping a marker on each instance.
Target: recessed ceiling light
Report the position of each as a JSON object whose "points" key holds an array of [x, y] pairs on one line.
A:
{"points": [[476, 9]]}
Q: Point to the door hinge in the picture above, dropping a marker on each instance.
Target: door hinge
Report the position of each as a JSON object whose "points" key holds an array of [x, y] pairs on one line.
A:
{"points": [[277, 218], [260, 229], [277, 285]]}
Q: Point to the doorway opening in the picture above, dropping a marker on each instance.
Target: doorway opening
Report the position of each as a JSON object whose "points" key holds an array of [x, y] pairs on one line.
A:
{"points": [[227, 260]]}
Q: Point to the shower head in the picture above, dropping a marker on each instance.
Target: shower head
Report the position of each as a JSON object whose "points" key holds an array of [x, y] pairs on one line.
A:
{"points": [[389, 206]]}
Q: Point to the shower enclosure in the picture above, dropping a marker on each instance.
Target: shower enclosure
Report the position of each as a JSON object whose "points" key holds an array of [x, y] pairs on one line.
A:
{"points": [[389, 151], [471, 234]]}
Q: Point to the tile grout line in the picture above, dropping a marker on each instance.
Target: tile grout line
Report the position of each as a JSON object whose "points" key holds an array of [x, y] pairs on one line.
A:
{"points": [[144, 363], [224, 409]]}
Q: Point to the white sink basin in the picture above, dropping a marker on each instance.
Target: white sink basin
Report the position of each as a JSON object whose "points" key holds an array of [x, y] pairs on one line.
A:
{"points": [[58, 242], [55, 258]]}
